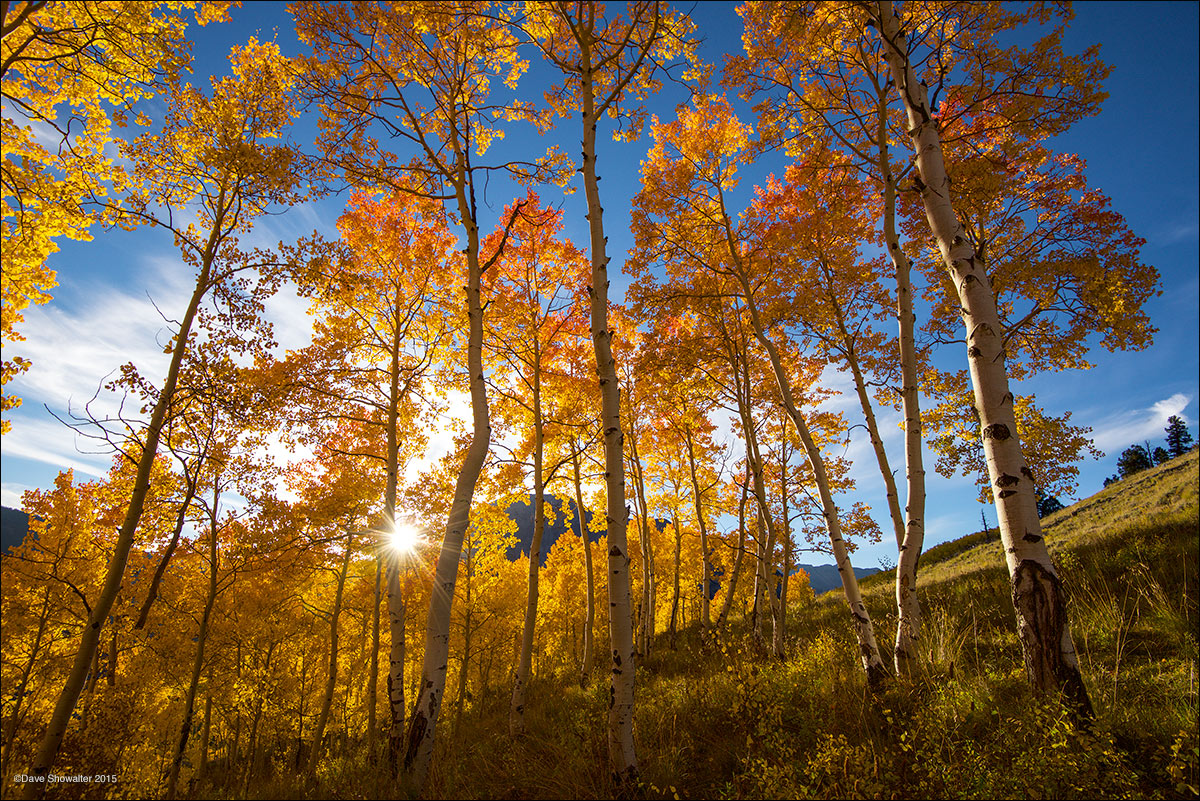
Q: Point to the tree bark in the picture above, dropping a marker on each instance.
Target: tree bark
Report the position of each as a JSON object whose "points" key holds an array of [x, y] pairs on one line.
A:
{"points": [[516, 711], [67, 699], [397, 604], [205, 731], [373, 674], [1045, 633], [780, 632], [647, 605], [863, 629], [189, 704], [621, 752], [585, 667], [422, 728], [706, 563], [727, 604], [331, 680], [675, 586], [908, 629]]}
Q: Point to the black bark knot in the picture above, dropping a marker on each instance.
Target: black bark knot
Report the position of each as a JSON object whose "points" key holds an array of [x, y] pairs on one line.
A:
{"points": [[1006, 480], [974, 352], [1008, 493], [996, 431], [614, 551], [1032, 537]]}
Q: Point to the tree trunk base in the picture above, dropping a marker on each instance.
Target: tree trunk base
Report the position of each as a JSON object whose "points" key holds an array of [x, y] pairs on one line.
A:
{"points": [[1041, 621]]}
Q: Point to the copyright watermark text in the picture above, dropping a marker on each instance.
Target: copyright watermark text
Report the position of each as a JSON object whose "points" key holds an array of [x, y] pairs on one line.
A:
{"points": [[70, 778]]}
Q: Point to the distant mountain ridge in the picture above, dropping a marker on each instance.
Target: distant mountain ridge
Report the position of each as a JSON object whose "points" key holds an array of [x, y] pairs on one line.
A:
{"points": [[521, 512], [14, 525], [823, 578]]}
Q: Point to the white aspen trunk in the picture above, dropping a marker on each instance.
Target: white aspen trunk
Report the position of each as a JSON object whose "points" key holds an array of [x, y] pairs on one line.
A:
{"points": [[516, 710], [373, 674], [675, 586], [756, 607], [421, 731], [727, 604], [69, 697], [331, 681], [397, 604], [621, 753], [777, 643], [1045, 633], [863, 629], [189, 704], [906, 651], [764, 576], [585, 668], [864, 402], [706, 564], [397, 653], [648, 617]]}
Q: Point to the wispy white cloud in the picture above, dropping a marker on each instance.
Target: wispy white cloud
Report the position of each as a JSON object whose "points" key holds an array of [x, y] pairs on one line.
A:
{"points": [[73, 352], [1124, 428], [293, 326], [1187, 231], [52, 443]]}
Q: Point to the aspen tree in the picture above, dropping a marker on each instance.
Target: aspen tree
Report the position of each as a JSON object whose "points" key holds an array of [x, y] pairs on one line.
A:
{"points": [[809, 86], [73, 71], [210, 151], [314, 756], [585, 663], [534, 291], [608, 65], [1050, 659], [686, 177], [381, 293], [427, 71]]}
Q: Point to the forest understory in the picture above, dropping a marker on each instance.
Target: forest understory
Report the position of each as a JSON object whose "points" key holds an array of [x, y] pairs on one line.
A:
{"points": [[719, 717]]}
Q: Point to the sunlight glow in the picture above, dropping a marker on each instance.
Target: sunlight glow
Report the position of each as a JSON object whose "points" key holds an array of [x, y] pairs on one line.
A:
{"points": [[405, 538]]}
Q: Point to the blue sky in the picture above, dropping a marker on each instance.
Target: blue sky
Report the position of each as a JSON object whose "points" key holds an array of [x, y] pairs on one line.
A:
{"points": [[1141, 150]]}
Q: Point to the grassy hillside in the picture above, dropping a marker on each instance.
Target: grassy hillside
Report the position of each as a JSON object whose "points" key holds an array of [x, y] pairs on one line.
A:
{"points": [[722, 719]]}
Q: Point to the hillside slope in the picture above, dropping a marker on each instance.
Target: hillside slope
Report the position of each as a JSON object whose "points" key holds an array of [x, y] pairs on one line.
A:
{"points": [[1166, 490]]}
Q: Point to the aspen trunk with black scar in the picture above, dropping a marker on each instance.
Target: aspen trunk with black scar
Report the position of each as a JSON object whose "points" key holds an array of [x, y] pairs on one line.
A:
{"points": [[1050, 660]]}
